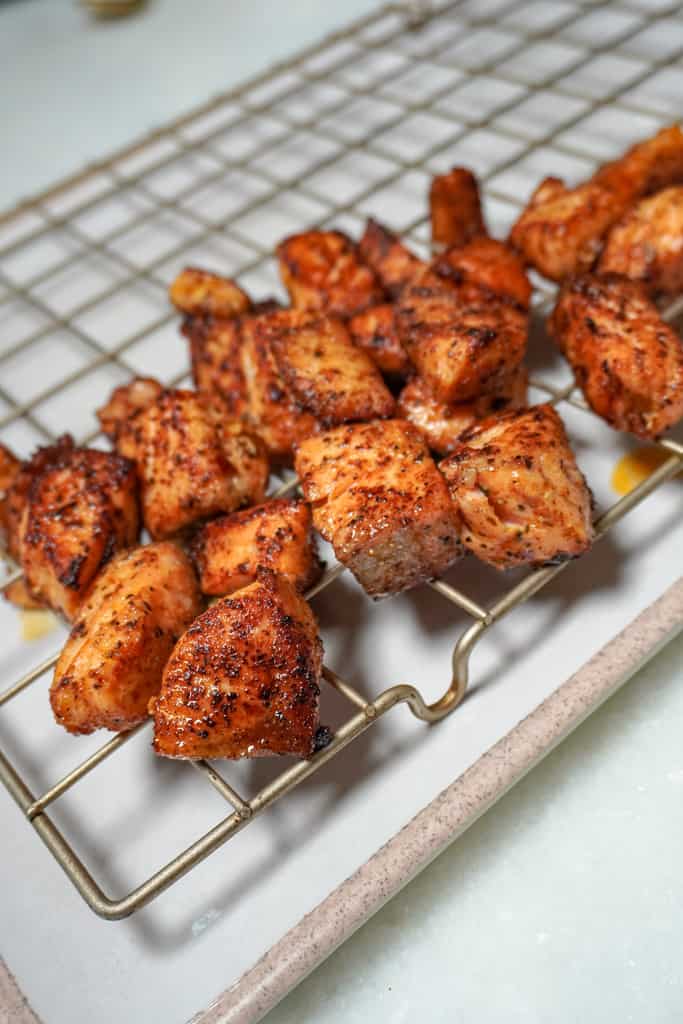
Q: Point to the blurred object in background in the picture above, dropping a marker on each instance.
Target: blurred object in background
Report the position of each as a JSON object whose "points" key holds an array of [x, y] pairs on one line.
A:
{"points": [[112, 8]]}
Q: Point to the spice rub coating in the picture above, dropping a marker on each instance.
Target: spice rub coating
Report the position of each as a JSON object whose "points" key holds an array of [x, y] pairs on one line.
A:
{"points": [[191, 463], [243, 681], [323, 272], [378, 497], [277, 535], [443, 425], [69, 510], [124, 633], [521, 497], [626, 359]]}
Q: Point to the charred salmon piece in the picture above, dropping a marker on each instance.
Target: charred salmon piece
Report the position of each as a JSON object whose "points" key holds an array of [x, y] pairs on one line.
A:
{"points": [[323, 272], [19, 479], [647, 243], [455, 207], [376, 333], [9, 470], [392, 261], [626, 359], [114, 657], [80, 508], [325, 372], [243, 680], [378, 497], [189, 462], [277, 535], [462, 351], [519, 493], [277, 416], [485, 269], [125, 401], [216, 360], [561, 231], [198, 292], [443, 426], [646, 167]]}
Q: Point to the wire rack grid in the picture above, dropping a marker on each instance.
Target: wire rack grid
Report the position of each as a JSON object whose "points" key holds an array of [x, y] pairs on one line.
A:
{"points": [[350, 127]]}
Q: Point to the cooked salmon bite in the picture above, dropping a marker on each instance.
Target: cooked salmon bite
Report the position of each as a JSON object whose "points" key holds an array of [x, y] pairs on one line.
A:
{"points": [[9, 470], [16, 593], [626, 359], [455, 207], [648, 166], [647, 243], [216, 360], [519, 493], [191, 464], [124, 633], [461, 351], [278, 418], [198, 292], [19, 479], [243, 681], [392, 261], [376, 333], [277, 535], [325, 372], [379, 499], [442, 425], [561, 230], [322, 272], [484, 270], [125, 401], [71, 509]]}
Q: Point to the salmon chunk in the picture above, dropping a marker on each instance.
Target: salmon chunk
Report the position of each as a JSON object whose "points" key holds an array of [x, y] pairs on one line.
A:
{"points": [[216, 359], [561, 231], [455, 207], [519, 492], [647, 243], [378, 497], [243, 681], [115, 655], [392, 261], [443, 426], [277, 535], [485, 270], [71, 509], [461, 350], [190, 463], [376, 333], [200, 293], [279, 419], [323, 272], [324, 371], [125, 401], [626, 359]]}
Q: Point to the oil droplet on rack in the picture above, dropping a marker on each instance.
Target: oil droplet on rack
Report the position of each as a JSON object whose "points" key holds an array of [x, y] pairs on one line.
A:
{"points": [[635, 467], [36, 623]]}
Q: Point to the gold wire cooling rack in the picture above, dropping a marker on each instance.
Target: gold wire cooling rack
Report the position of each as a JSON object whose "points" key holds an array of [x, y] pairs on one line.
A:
{"points": [[380, 99]]}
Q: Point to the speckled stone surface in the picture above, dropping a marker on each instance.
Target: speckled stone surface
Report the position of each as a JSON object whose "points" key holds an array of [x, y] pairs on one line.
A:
{"points": [[352, 903], [14, 1008]]}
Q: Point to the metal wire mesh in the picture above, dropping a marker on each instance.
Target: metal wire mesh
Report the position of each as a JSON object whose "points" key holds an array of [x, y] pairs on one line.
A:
{"points": [[350, 127]]}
